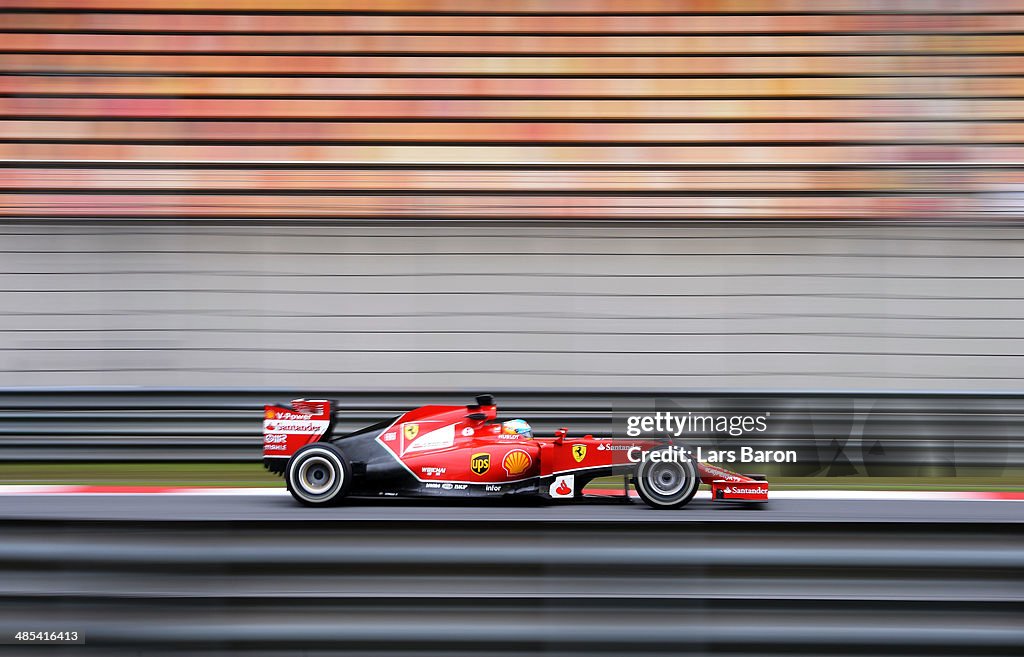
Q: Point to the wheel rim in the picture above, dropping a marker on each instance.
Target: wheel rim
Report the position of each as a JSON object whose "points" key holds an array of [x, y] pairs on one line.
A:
{"points": [[316, 475], [666, 479]]}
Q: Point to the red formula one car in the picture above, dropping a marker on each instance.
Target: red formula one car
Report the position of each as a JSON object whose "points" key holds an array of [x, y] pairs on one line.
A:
{"points": [[463, 451]]}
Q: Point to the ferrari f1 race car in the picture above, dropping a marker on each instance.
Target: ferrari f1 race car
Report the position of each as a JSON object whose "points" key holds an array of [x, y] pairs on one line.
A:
{"points": [[464, 451]]}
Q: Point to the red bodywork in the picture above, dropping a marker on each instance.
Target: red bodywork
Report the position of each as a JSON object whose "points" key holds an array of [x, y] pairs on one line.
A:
{"points": [[461, 445], [287, 429]]}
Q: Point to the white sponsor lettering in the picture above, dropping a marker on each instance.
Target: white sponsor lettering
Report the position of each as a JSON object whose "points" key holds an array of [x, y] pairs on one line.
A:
{"points": [[614, 448], [309, 426], [433, 471], [288, 415], [437, 439], [737, 490], [722, 474]]}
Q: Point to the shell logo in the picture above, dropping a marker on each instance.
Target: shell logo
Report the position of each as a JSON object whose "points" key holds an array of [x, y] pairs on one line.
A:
{"points": [[516, 462], [268, 414]]}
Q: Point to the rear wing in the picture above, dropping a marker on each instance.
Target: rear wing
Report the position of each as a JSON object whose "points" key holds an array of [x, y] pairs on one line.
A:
{"points": [[286, 429]]}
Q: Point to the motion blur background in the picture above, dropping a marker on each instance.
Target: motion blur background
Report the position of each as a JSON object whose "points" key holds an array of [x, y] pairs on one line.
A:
{"points": [[210, 205], [405, 195]]}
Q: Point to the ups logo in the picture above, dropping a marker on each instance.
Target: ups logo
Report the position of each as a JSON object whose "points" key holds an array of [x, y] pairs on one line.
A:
{"points": [[480, 463]]}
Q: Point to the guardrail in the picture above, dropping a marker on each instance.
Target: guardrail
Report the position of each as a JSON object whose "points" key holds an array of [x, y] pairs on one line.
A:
{"points": [[470, 588], [833, 433]]}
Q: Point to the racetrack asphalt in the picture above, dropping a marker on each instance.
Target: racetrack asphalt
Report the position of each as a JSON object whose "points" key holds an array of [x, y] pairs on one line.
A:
{"points": [[279, 506]]}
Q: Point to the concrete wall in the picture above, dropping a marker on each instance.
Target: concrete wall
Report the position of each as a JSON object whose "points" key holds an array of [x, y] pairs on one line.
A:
{"points": [[493, 305]]}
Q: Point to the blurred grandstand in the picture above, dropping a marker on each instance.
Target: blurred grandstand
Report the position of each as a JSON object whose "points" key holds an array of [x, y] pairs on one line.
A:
{"points": [[463, 194]]}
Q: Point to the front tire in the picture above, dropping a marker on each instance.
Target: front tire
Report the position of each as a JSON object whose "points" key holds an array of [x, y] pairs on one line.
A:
{"points": [[318, 475], [666, 484]]}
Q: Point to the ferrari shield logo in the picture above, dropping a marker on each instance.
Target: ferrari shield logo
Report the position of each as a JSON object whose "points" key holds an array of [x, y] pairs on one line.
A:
{"points": [[480, 463], [410, 431], [579, 452]]}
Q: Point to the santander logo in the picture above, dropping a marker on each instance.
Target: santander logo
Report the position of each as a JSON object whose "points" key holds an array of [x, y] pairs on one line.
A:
{"points": [[562, 486]]}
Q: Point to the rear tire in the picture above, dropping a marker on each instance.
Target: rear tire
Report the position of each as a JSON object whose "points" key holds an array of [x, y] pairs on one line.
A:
{"points": [[318, 475], [666, 484]]}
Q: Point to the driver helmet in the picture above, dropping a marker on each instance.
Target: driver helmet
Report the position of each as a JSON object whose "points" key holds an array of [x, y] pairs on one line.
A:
{"points": [[516, 428]]}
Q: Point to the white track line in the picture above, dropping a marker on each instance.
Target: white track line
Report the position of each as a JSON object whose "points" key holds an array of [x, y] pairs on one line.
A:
{"points": [[876, 495]]}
